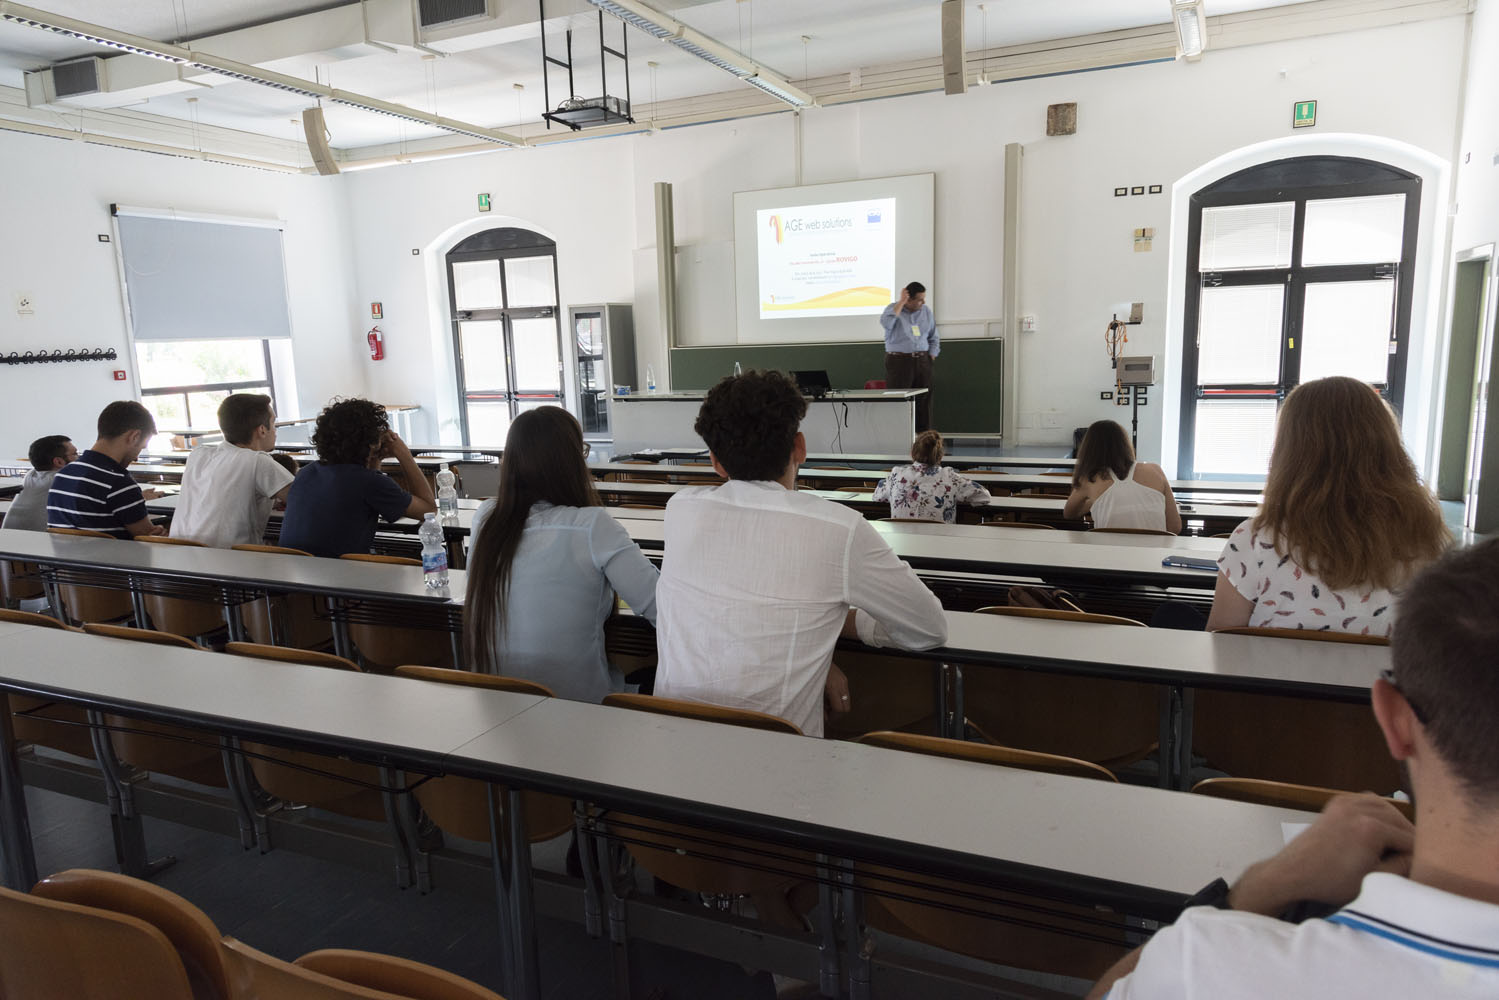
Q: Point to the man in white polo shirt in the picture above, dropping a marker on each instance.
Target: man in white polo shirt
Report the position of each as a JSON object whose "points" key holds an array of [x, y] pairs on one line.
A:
{"points": [[228, 488], [1418, 907]]}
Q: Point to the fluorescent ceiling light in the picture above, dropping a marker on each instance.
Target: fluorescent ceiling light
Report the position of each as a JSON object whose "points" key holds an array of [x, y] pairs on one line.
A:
{"points": [[136, 45], [1191, 28], [673, 32]]}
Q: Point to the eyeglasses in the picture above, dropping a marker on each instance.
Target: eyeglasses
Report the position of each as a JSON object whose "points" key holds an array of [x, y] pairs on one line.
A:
{"points": [[587, 449], [1388, 676]]}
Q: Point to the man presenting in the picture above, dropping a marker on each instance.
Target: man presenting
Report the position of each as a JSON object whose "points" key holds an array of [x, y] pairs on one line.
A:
{"points": [[911, 344]]}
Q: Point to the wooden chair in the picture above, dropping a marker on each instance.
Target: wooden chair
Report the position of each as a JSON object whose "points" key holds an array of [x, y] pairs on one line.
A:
{"points": [[382, 648], [994, 925], [887, 692], [340, 786], [1132, 531], [185, 616], [142, 635], [190, 931], [259, 976], [1282, 793], [393, 975], [635, 477], [55, 949], [20, 581], [460, 806], [1305, 741], [92, 604], [299, 620], [1108, 722], [670, 851], [50, 724], [1019, 524]]}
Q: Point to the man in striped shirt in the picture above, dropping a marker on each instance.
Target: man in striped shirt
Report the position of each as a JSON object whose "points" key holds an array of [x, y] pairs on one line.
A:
{"points": [[96, 492]]}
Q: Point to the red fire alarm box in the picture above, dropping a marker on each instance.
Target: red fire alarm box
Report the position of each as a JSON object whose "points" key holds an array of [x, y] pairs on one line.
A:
{"points": [[119, 374]]}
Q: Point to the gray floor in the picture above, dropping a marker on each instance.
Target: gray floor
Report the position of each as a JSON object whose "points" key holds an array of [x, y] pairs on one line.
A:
{"points": [[289, 904]]}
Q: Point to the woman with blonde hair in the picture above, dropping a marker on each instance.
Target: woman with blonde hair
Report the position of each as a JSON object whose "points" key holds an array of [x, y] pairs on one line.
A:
{"points": [[926, 490], [1345, 522]]}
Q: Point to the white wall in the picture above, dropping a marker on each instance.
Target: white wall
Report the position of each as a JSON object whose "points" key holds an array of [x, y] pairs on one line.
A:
{"points": [[1477, 220], [54, 202], [1141, 125], [578, 194]]}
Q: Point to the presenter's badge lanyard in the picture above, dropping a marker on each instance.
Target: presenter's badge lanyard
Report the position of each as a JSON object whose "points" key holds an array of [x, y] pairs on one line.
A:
{"points": [[915, 330]]}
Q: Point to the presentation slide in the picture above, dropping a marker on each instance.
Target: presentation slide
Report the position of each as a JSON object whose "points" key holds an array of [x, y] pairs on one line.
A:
{"points": [[827, 260], [817, 264]]}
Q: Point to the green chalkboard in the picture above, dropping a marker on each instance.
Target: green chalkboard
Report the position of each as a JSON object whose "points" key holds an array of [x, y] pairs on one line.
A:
{"points": [[966, 399]]}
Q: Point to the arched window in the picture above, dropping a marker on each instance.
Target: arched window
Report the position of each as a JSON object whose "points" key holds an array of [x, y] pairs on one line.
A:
{"points": [[1296, 270], [502, 284]]}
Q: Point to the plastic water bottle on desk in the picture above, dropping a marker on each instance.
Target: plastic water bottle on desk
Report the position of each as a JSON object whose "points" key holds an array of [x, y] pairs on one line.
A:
{"points": [[447, 495], [650, 380], [434, 553], [737, 370]]}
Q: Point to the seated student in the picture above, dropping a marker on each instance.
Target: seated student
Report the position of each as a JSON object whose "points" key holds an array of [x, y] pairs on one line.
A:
{"points": [[760, 579], [1419, 906], [28, 512], [1119, 491], [228, 488], [1344, 523], [336, 502], [927, 490], [95, 491], [288, 463], [544, 569]]}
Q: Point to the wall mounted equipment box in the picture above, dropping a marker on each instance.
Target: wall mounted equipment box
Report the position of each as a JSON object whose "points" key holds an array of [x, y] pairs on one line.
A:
{"points": [[1136, 370]]}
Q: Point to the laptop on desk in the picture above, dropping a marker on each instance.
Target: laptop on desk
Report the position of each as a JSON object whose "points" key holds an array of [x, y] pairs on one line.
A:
{"points": [[813, 383]]}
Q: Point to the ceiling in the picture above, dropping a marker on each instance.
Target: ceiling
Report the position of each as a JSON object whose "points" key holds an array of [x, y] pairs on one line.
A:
{"points": [[494, 78]]}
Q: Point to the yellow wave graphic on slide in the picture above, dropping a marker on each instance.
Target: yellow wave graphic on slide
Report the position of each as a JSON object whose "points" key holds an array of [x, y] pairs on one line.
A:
{"points": [[847, 298]]}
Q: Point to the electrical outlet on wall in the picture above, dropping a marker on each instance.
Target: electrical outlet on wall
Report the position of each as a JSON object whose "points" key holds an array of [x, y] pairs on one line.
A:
{"points": [[25, 304], [1051, 419]]}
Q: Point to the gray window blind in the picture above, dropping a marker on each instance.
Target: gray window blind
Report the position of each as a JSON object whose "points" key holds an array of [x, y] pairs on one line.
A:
{"points": [[198, 280]]}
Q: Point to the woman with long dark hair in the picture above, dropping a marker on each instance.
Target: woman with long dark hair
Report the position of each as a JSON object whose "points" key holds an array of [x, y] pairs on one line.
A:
{"points": [[1345, 524], [545, 564], [1117, 490]]}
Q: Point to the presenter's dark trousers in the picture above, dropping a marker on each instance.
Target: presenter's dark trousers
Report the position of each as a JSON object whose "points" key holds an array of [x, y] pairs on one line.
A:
{"points": [[912, 371]]}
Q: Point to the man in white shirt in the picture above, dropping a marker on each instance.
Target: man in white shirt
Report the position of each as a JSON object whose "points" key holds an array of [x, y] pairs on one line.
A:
{"points": [[1419, 906], [759, 580], [228, 488]]}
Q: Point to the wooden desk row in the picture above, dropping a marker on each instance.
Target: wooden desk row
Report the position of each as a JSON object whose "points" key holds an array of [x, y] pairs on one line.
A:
{"points": [[1137, 851]]}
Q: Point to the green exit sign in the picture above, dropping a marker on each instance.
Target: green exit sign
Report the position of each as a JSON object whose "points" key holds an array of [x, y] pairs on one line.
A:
{"points": [[483, 202], [1305, 115]]}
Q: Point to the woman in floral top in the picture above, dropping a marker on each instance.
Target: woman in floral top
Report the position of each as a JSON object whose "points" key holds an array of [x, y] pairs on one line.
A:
{"points": [[924, 490], [1345, 522]]}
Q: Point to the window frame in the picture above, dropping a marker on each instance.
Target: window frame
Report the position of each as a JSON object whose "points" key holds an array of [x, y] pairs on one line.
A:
{"points": [[186, 391], [1315, 184]]}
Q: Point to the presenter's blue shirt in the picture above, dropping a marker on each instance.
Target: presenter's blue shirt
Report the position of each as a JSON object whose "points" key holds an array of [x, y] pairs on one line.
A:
{"points": [[332, 510], [908, 332]]}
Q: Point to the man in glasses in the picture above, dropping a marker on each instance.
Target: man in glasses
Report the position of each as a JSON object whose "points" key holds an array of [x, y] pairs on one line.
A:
{"points": [[1416, 907]]}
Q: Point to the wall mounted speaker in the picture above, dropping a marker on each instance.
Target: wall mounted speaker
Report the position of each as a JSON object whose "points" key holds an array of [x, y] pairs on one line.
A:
{"points": [[954, 74], [317, 141]]}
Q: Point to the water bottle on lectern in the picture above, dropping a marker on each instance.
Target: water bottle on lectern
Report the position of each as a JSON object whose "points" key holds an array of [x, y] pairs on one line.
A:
{"points": [[737, 370], [650, 380], [434, 553], [447, 495]]}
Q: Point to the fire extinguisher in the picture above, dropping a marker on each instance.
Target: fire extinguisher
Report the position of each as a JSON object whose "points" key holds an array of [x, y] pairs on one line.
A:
{"points": [[377, 344]]}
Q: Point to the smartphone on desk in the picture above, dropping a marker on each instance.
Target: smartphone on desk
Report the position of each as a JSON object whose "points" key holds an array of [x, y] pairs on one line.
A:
{"points": [[1190, 562]]}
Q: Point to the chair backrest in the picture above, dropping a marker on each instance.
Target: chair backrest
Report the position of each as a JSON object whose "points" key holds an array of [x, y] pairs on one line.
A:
{"points": [[1133, 531], [984, 753], [388, 560], [20, 581], [468, 678], [168, 540], [57, 949], [81, 532], [697, 710], [280, 550], [1055, 614], [1019, 524], [1309, 634], [32, 618], [308, 657], [188, 928], [141, 635], [265, 977], [1281, 793], [394, 975]]}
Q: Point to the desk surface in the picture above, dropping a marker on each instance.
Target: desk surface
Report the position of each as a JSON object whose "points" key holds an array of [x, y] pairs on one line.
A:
{"points": [[10, 485], [1096, 838], [252, 570], [850, 395]]}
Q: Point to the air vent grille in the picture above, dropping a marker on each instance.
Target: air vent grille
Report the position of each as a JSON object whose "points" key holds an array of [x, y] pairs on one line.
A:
{"points": [[440, 12], [77, 77]]}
